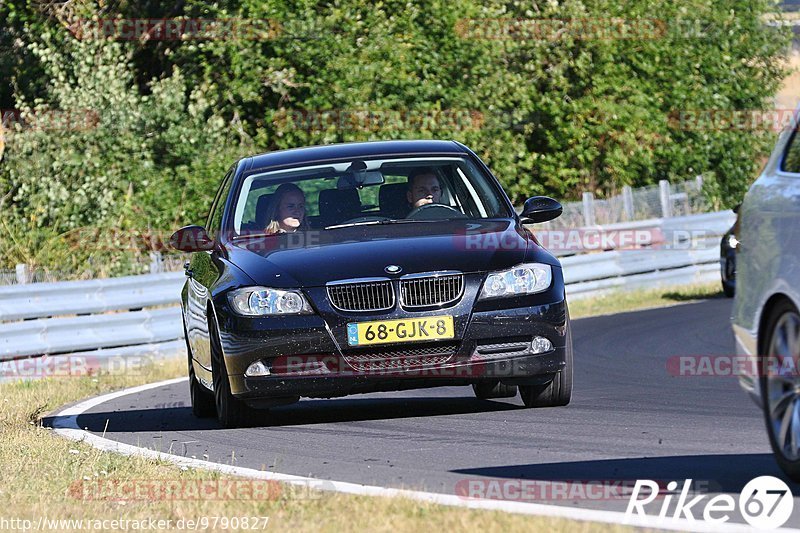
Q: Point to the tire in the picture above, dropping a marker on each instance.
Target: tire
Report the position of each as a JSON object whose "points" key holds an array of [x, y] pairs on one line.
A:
{"points": [[557, 392], [231, 411], [780, 395], [729, 289], [202, 399], [728, 284], [493, 389], [203, 404]]}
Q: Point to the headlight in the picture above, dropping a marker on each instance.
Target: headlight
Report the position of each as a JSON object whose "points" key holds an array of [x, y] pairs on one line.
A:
{"points": [[733, 242], [527, 278], [261, 301]]}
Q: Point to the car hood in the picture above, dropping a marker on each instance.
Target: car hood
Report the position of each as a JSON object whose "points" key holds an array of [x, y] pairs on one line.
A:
{"points": [[313, 258]]}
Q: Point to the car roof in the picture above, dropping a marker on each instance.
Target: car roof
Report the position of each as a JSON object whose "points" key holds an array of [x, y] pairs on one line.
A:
{"points": [[297, 156]]}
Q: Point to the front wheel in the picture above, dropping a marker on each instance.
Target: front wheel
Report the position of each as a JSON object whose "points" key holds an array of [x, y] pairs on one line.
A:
{"points": [[780, 387], [557, 392], [231, 411]]}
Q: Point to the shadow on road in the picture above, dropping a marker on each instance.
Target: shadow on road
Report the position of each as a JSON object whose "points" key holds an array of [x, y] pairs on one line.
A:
{"points": [[177, 418], [721, 473]]}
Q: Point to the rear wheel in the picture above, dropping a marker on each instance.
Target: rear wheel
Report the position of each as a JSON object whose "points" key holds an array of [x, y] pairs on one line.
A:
{"points": [[780, 387], [203, 405], [231, 411], [493, 389], [557, 392]]}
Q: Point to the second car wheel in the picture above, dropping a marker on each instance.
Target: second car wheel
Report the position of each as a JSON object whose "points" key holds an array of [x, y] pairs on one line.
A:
{"points": [[728, 271], [231, 411]]}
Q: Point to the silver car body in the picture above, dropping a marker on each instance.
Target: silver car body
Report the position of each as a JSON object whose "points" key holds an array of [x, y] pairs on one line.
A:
{"points": [[768, 256]]}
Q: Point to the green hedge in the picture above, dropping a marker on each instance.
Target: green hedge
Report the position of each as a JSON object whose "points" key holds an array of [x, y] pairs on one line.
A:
{"points": [[568, 109]]}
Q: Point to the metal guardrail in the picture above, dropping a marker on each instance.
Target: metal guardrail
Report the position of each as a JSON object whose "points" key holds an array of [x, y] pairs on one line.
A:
{"points": [[40, 300], [64, 335], [676, 232], [113, 318], [684, 250], [101, 314]]}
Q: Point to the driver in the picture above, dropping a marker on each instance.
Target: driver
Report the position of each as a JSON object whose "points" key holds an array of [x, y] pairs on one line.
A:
{"points": [[423, 188]]}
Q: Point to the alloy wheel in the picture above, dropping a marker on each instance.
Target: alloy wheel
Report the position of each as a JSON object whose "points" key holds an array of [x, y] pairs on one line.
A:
{"points": [[783, 385]]}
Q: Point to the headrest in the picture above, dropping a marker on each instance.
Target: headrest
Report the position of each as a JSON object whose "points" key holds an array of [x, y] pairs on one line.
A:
{"points": [[392, 200], [262, 206]]}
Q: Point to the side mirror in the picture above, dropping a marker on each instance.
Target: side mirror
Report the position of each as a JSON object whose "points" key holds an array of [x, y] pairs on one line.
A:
{"points": [[540, 209], [191, 239]]}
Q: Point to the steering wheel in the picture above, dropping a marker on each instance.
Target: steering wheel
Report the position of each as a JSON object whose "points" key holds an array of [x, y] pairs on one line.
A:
{"points": [[369, 218], [434, 212]]}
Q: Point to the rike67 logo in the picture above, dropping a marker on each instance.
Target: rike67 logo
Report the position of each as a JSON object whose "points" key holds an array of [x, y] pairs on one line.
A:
{"points": [[765, 503]]}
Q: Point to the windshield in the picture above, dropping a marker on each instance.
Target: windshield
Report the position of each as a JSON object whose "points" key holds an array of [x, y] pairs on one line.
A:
{"points": [[365, 192]]}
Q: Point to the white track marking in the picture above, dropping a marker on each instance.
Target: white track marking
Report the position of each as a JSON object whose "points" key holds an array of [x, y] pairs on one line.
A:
{"points": [[65, 423]]}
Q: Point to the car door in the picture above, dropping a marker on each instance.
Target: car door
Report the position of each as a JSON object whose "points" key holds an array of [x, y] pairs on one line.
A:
{"points": [[202, 274]]}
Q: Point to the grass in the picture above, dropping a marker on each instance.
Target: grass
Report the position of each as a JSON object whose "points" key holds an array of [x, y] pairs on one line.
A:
{"points": [[623, 301], [41, 471]]}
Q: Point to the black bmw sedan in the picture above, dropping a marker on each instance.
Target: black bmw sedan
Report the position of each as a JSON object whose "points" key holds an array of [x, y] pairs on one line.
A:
{"points": [[364, 267]]}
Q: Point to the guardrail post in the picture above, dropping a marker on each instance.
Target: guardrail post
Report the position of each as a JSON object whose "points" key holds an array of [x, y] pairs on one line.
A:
{"points": [[627, 201], [666, 199], [155, 262], [23, 274], [588, 208]]}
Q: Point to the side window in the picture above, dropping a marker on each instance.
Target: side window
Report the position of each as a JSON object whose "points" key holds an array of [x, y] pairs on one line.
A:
{"points": [[791, 158], [218, 208]]}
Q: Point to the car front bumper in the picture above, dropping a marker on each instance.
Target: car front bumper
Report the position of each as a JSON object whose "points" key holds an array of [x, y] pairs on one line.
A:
{"points": [[309, 355]]}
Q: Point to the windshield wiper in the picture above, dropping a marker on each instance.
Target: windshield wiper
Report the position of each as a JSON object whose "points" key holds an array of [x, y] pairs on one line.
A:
{"points": [[252, 236], [378, 223]]}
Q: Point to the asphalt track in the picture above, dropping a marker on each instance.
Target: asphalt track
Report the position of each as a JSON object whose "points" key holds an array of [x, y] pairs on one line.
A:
{"points": [[629, 419]]}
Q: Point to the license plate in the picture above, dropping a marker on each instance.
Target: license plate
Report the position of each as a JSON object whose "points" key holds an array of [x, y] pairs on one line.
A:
{"points": [[429, 328]]}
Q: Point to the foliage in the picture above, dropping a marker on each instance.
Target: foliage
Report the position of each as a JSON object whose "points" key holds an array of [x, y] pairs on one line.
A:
{"points": [[552, 113]]}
